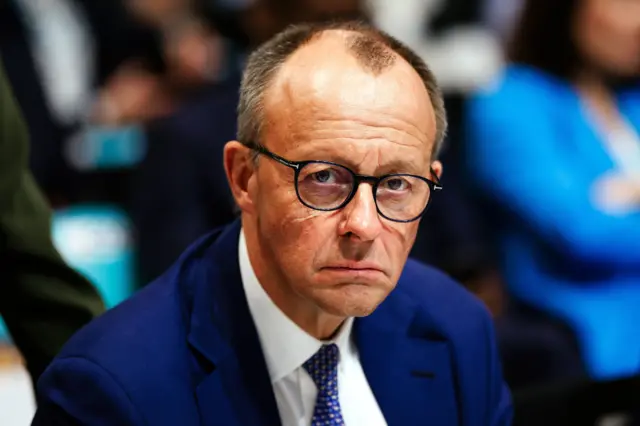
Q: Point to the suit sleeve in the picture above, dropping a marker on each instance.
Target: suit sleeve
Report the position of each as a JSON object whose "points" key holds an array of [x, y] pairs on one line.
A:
{"points": [[77, 391], [43, 301], [518, 158]]}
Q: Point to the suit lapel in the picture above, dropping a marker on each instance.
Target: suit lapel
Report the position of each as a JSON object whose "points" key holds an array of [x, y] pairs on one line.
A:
{"points": [[236, 389], [229, 397], [407, 364]]}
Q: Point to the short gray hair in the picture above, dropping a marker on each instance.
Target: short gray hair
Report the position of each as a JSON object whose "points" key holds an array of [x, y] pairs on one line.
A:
{"points": [[374, 49]]}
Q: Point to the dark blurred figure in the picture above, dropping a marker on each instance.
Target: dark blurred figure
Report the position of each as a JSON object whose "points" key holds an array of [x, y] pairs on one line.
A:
{"points": [[180, 190], [554, 146], [453, 234], [42, 301], [58, 55]]}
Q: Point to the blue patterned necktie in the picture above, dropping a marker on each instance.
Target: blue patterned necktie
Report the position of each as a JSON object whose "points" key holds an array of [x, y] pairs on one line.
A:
{"points": [[323, 369]]}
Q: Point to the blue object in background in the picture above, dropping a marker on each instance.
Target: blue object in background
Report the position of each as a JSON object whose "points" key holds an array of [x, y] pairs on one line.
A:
{"points": [[97, 148], [96, 241], [4, 333]]}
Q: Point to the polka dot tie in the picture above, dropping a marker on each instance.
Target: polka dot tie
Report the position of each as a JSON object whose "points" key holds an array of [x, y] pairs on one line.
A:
{"points": [[323, 369]]}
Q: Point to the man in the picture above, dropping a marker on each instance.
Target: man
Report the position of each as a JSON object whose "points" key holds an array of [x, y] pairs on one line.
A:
{"points": [[42, 301], [338, 130]]}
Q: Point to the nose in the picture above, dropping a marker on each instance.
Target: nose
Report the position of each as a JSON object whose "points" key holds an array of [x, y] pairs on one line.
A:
{"points": [[361, 219]]}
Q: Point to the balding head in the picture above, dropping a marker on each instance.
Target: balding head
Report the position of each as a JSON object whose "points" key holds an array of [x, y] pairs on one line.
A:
{"points": [[373, 51], [363, 81]]}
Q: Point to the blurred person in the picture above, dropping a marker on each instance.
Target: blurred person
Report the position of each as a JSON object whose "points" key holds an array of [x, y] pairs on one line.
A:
{"points": [[501, 16], [465, 54], [306, 310], [58, 54], [42, 300], [182, 145], [554, 144]]}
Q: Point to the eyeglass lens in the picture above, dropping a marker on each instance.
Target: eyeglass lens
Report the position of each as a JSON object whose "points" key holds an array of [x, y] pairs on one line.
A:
{"points": [[327, 186]]}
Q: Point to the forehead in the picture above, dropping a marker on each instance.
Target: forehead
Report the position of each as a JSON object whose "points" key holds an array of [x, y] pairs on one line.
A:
{"points": [[322, 90]]}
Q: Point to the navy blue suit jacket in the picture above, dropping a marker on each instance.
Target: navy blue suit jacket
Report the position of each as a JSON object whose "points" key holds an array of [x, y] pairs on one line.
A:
{"points": [[184, 351]]}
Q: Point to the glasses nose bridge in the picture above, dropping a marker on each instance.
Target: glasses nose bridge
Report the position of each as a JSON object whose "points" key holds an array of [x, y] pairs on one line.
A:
{"points": [[357, 180]]}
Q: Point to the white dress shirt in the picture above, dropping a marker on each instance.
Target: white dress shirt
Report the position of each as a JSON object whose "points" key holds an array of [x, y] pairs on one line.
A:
{"points": [[623, 144], [286, 347], [621, 141]]}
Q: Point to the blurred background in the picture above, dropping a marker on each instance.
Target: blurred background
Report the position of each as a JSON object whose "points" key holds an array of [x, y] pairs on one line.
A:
{"points": [[129, 103]]}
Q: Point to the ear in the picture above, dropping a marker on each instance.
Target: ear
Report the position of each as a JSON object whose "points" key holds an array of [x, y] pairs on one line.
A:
{"points": [[239, 167], [436, 166]]}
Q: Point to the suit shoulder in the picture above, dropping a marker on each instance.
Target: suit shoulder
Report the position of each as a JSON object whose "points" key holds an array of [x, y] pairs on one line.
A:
{"points": [[449, 304], [140, 345], [431, 285], [154, 319], [142, 324]]}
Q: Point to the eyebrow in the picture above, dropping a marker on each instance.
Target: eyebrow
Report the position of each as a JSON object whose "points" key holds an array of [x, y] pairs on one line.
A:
{"points": [[395, 166], [400, 166]]}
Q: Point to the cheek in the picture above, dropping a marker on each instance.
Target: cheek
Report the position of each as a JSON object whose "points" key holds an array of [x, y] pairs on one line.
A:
{"points": [[404, 234], [399, 241], [298, 234]]}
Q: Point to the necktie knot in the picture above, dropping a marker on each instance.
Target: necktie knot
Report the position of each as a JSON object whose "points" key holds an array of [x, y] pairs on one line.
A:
{"points": [[323, 366], [323, 369]]}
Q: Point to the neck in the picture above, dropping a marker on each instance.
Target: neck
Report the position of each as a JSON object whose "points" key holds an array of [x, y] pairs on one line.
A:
{"points": [[595, 91], [298, 309], [591, 82]]}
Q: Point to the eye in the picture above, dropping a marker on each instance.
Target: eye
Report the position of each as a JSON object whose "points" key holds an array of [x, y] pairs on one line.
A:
{"points": [[396, 184], [324, 176]]}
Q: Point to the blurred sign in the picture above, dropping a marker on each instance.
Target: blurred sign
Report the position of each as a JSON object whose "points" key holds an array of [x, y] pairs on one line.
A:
{"points": [[96, 241], [4, 333]]}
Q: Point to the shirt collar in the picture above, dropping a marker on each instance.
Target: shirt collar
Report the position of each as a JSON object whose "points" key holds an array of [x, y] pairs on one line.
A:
{"points": [[285, 345]]}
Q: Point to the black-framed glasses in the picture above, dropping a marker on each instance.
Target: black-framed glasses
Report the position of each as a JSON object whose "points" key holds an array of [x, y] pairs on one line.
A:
{"points": [[327, 186]]}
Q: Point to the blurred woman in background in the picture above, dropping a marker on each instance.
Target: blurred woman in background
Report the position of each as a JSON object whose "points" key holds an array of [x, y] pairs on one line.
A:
{"points": [[555, 145]]}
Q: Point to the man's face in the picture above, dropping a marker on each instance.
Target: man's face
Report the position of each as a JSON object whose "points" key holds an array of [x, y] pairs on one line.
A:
{"points": [[344, 262]]}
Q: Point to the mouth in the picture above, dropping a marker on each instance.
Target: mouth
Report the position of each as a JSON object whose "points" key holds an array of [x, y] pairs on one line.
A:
{"points": [[346, 268], [362, 270]]}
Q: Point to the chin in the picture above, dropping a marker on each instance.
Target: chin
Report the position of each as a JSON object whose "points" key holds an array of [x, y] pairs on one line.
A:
{"points": [[351, 300], [357, 312]]}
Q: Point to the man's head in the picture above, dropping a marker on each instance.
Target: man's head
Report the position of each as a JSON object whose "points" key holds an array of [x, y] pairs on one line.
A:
{"points": [[347, 94]]}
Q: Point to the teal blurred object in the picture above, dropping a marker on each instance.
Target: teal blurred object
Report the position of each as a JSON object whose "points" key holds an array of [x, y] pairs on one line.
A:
{"points": [[97, 148], [4, 333], [96, 241]]}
